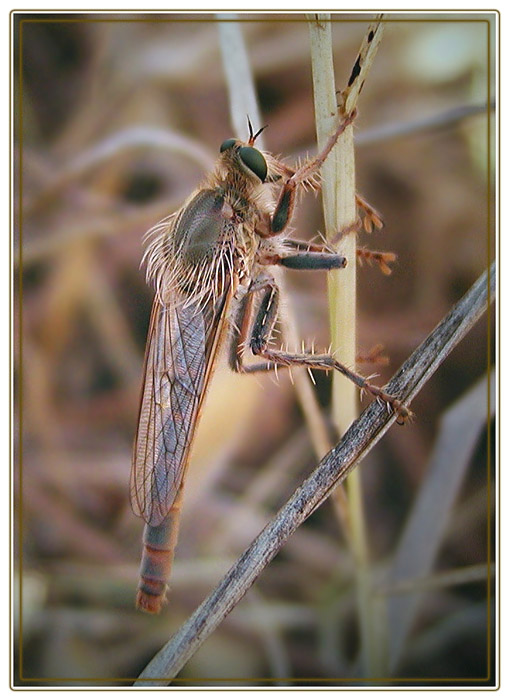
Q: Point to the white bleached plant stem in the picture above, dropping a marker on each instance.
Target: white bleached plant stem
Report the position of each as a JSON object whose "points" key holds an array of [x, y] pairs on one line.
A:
{"points": [[340, 213]]}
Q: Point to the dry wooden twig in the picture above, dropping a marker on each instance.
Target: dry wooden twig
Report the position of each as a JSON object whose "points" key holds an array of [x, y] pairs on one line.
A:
{"points": [[360, 438]]}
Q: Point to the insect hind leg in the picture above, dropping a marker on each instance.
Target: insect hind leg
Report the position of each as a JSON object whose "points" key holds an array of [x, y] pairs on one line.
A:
{"points": [[256, 334], [244, 328]]}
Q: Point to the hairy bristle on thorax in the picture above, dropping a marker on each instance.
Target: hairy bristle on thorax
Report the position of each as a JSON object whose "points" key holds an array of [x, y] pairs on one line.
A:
{"points": [[178, 281], [205, 280]]}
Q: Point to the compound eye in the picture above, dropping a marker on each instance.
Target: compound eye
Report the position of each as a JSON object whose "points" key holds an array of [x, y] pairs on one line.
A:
{"points": [[229, 143], [254, 160]]}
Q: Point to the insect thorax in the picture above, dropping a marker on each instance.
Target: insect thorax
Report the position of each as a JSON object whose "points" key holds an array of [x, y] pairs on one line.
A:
{"points": [[210, 241]]}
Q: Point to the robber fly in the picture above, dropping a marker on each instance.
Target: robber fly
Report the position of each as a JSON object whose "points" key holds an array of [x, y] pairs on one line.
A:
{"points": [[210, 265]]}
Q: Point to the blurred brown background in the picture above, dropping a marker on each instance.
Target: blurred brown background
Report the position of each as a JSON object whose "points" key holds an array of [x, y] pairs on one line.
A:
{"points": [[118, 119]]}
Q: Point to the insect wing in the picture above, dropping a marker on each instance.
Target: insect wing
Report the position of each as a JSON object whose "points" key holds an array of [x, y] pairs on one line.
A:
{"points": [[181, 349]]}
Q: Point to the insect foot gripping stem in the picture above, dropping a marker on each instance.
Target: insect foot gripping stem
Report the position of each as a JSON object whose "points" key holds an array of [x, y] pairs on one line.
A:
{"points": [[403, 413], [393, 404]]}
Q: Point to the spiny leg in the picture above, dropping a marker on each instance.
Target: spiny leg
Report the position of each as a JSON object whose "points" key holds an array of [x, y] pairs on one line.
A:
{"points": [[318, 256], [305, 260], [241, 333], [372, 218], [304, 174], [309, 246], [368, 219], [310, 256], [374, 356], [382, 258], [328, 362], [240, 329], [258, 340]]}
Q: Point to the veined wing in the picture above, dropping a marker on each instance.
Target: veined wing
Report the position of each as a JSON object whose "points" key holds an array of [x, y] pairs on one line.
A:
{"points": [[181, 348]]}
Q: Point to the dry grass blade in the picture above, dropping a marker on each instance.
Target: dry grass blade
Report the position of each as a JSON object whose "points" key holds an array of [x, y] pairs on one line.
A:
{"points": [[132, 138], [454, 577], [463, 624], [340, 213], [243, 102], [239, 78], [332, 470], [362, 65], [396, 130], [460, 429]]}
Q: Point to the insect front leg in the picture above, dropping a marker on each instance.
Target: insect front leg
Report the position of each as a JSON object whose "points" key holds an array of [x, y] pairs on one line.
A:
{"points": [[306, 260], [381, 258], [304, 174], [319, 256], [260, 331], [315, 257], [371, 217]]}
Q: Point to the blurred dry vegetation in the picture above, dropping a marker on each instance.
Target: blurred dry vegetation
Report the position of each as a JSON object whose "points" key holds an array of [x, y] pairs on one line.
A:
{"points": [[120, 119]]}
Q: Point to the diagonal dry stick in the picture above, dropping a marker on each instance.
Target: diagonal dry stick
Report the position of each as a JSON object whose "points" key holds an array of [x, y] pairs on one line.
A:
{"points": [[332, 470]]}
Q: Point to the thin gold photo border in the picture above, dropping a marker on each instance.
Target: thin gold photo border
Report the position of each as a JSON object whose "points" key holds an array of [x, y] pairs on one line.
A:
{"points": [[490, 17]]}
